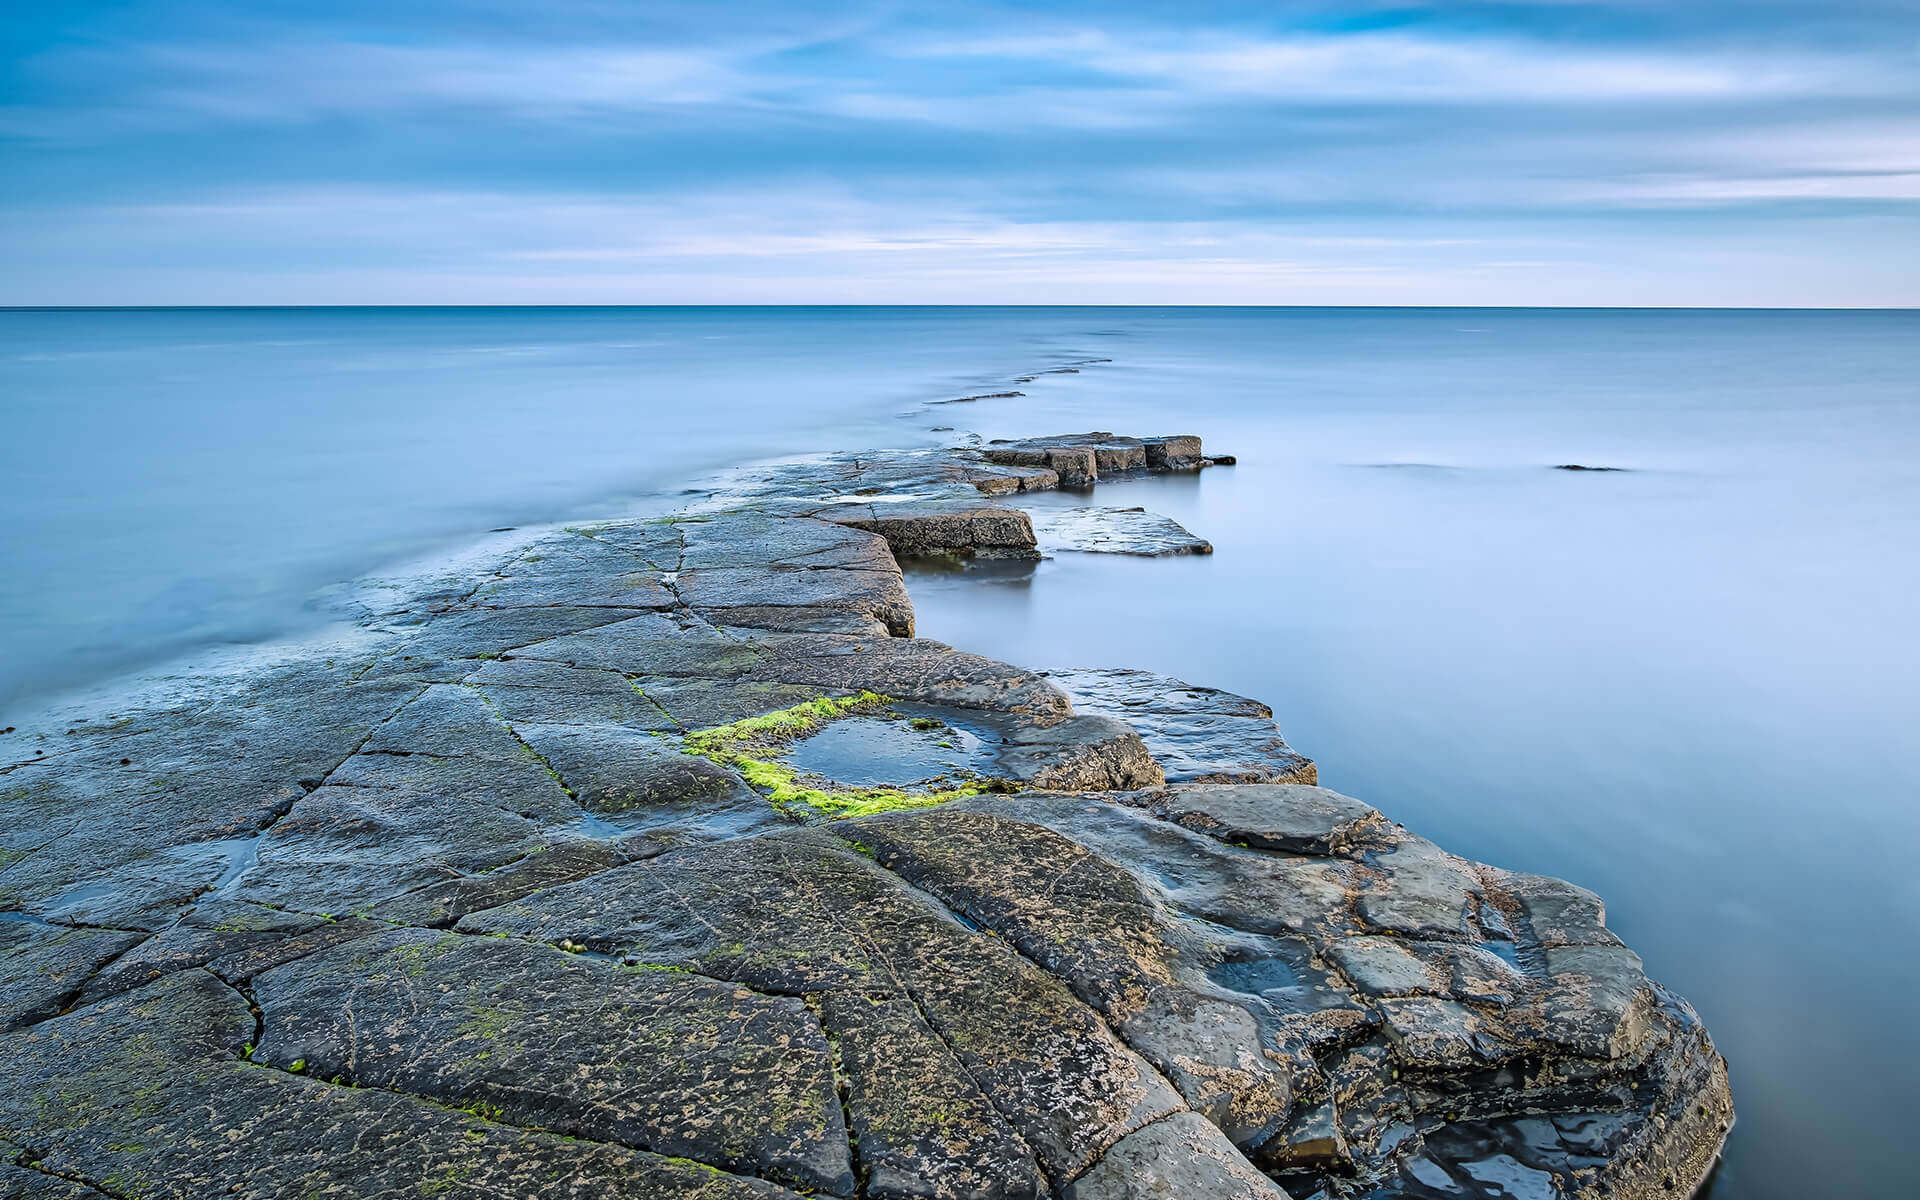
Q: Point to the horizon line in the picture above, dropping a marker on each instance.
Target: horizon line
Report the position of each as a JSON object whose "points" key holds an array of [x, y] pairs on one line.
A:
{"points": [[750, 304]]}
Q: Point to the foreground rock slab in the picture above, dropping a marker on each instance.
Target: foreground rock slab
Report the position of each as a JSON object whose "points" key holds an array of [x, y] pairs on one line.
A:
{"points": [[660, 859]]}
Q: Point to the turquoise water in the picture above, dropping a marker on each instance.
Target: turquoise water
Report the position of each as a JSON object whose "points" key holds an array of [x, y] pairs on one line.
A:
{"points": [[1690, 685]]}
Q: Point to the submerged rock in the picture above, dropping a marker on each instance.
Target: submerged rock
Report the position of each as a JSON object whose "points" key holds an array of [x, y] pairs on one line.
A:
{"points": [[662, 860]]}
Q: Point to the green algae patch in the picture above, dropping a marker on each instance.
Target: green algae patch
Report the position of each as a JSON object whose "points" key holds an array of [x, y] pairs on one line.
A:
{"points": [[775, 729], [784, 789], [754, 748]]}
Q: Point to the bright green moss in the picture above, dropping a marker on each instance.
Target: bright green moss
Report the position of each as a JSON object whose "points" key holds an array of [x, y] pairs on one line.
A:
{"points": [[667, 968], [777, 728], [753, 746]]}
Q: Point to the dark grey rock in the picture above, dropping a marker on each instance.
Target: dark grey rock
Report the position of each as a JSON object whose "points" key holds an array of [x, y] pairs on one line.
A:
{"points": [[704, 703], [521, 785], [25, 1183], [922, 1127], [651, 644], [1272, 816], [448, 721], [931, 530], [437, 906], [644, 1058], [997, 479], [579, 573], [1073, 465], [908, 669], [798, 914], [536, 691], [1095, 530], [641, 782], [1075, 754], [45, 965], [1176, 452], [715, 592], [145, 1094], [1181, 1157], [754, 541], [609, 769], [1197, 734], [477, 633], [1093, 925], [342, 849], [1082, 458], [1105, 984], [233, 954]]}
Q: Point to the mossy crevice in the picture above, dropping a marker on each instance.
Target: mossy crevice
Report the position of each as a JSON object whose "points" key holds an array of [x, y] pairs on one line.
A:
{"points": [[754, 747]]}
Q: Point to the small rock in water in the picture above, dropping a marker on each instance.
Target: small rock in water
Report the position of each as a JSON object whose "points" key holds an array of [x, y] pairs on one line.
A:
{"points": [[1115, 531]]}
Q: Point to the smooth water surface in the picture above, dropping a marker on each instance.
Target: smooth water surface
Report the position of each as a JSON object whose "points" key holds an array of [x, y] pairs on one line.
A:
{"points": [[175, 478], [1690, 685]]}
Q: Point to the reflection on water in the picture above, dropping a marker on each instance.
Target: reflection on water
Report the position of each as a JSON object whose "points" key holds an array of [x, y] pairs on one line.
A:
{"points": [[913, 750]]}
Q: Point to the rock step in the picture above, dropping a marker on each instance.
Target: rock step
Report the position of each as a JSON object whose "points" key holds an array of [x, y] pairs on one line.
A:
{"points": [[1081, 459]]}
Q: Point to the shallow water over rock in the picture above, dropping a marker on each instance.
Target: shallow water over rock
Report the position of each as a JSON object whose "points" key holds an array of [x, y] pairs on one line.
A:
{"points": [[904, 751]]}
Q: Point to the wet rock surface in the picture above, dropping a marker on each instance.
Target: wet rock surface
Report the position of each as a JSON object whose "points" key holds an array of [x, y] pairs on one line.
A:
{"points": [[1197, 734], [659, 859], [1080, 459], [1115, 531]]}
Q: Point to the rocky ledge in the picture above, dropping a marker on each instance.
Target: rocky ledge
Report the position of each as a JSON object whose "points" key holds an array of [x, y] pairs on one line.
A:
{"points": [[659, 859]]}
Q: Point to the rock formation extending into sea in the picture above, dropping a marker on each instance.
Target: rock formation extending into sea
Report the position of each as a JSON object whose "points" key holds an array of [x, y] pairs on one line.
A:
{"points": [[660, 859]]}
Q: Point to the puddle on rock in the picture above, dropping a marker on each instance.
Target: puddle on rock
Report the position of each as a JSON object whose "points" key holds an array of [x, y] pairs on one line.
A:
{"points": [[1511, 1158], [915, 747], [596, 828], [1260, 977]]}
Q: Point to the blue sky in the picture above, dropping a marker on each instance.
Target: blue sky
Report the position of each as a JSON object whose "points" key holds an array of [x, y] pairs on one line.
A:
{"points": [[600, 151]]}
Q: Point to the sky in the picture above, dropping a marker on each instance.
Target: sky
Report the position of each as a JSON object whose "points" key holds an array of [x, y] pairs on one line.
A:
{"points": [[1557, 152]]}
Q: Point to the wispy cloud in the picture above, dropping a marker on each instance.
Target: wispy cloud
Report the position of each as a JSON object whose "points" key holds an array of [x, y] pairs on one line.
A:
{"points": [[1075, 78], [828, 245], [1394, 66], [1060, 149]]}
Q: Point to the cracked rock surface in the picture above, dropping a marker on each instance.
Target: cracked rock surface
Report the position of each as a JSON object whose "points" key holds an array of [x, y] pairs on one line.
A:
{"points": [[532, 884]]}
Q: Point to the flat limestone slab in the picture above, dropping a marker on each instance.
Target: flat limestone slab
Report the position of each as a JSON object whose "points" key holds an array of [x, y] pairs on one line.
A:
{"points": [[545, 1038], [1197, 734], [147, 1094], [466, 901], [1096, 530]]}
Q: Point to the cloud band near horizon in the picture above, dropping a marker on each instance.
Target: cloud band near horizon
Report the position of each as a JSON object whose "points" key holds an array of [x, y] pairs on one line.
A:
{"points": [[1688, 152]]}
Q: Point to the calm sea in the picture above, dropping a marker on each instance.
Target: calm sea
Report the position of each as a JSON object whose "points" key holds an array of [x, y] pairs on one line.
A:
{"points": [[1691, 685]]}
